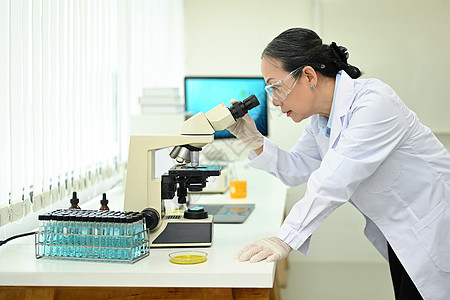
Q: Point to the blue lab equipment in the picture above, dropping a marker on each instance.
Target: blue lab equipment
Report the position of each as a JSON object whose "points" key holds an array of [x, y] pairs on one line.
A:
{"points": [[92, 235]]}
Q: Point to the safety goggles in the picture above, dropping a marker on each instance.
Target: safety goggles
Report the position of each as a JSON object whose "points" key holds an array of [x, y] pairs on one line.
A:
{"points": [[281, 89]]}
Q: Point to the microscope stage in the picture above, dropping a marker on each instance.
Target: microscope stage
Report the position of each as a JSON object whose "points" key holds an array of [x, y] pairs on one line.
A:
{"points": [[186, 170]]}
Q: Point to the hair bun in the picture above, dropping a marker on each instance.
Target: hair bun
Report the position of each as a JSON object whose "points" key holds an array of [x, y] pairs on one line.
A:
{"points": [[339, 52], [341, 55]]}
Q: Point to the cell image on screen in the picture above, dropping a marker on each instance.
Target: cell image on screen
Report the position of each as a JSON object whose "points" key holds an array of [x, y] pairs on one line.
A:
{"points": [[204, 93]]}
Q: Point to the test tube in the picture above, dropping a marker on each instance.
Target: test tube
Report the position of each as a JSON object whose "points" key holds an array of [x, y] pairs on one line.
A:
{"points": [[97, 238], [144, 241], [115, 240], [63, 240], [48, 235], [44, 230], [135, 236], [119, 237], [129, 236], [103, 236], [77, 229], [90, 238], [84, 236], [71, 230], [58, 238]]}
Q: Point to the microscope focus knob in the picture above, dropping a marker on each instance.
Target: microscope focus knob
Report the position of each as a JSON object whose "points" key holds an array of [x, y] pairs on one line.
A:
{"points": [[151, 218], [197, 212]]}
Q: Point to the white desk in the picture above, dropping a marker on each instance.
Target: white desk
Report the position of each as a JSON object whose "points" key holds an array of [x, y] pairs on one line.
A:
{"points": [[221, 273]]}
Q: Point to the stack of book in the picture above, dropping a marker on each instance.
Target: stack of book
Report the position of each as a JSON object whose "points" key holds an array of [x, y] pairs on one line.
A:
{"points": [[161, 100]]}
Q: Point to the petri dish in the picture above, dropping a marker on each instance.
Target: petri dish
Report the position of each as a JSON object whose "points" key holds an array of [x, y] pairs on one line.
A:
{"points": [[187, 257]]}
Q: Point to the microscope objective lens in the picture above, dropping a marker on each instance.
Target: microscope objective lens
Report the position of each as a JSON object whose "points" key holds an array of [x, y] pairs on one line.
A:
{"points": [[175, 151], [183, 155], [195, 158]]}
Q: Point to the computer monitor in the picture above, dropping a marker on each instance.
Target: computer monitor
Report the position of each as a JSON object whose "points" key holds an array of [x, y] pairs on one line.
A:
{"points": [[203, 93]]}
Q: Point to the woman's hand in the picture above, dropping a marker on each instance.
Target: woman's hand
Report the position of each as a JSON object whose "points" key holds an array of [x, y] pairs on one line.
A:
{"points": [[269, 249], [245, 130]]}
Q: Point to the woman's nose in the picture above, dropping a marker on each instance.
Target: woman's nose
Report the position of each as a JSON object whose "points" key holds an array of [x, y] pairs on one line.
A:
{"points": [[276, 103]]}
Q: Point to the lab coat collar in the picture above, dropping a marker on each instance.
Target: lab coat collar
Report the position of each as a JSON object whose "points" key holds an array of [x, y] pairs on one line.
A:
{"points": [[341, 103]]}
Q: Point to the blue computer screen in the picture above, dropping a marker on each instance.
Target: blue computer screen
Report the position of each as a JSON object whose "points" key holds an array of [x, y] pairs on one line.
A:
{"points": [[204, 93]]}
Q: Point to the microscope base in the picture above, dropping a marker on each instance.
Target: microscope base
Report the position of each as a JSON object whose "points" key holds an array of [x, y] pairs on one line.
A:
{"points": [[176, 231]]}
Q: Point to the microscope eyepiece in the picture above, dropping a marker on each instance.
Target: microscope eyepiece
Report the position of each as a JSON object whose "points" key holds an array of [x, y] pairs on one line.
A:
{"points": [[239, 109]]}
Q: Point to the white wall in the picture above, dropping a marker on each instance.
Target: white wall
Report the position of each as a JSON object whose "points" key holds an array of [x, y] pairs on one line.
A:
{"points": [[404, 43], [227, 38]]}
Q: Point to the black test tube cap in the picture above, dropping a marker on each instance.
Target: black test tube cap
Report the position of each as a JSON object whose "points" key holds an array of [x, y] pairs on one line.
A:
{"points": [[74, 199], [104, 201]]}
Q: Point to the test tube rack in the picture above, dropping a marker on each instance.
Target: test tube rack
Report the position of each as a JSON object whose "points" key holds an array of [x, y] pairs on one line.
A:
{"points": [[111, 236]]}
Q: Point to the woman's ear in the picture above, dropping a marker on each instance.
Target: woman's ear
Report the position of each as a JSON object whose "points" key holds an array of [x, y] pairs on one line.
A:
{"points": [[310, 75]]}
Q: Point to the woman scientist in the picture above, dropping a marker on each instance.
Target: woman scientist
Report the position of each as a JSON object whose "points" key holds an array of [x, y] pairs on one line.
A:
{"points": [[362, 145]]}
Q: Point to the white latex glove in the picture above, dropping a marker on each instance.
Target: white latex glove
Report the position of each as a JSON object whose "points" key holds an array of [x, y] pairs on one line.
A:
{"points": [[269, 249], [245, 130]]}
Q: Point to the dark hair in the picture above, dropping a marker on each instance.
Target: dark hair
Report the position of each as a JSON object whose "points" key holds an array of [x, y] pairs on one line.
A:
{"points": [[298, 47]]}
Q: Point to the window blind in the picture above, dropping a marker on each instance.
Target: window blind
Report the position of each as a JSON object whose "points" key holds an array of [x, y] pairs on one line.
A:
{"points": [[70, 75]]}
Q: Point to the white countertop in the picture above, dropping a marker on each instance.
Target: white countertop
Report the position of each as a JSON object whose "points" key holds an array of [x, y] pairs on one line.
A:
{"points": [[19, 267]]}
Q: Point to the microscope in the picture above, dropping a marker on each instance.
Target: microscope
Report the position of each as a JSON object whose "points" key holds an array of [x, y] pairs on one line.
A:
{"points": [[145, 192]]}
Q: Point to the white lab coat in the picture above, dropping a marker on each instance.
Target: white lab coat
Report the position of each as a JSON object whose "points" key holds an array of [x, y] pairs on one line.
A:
{"points": [[388, 165]]}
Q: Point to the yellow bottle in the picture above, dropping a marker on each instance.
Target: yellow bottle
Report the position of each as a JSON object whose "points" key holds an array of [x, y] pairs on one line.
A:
{"points": [[238, 189]]}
